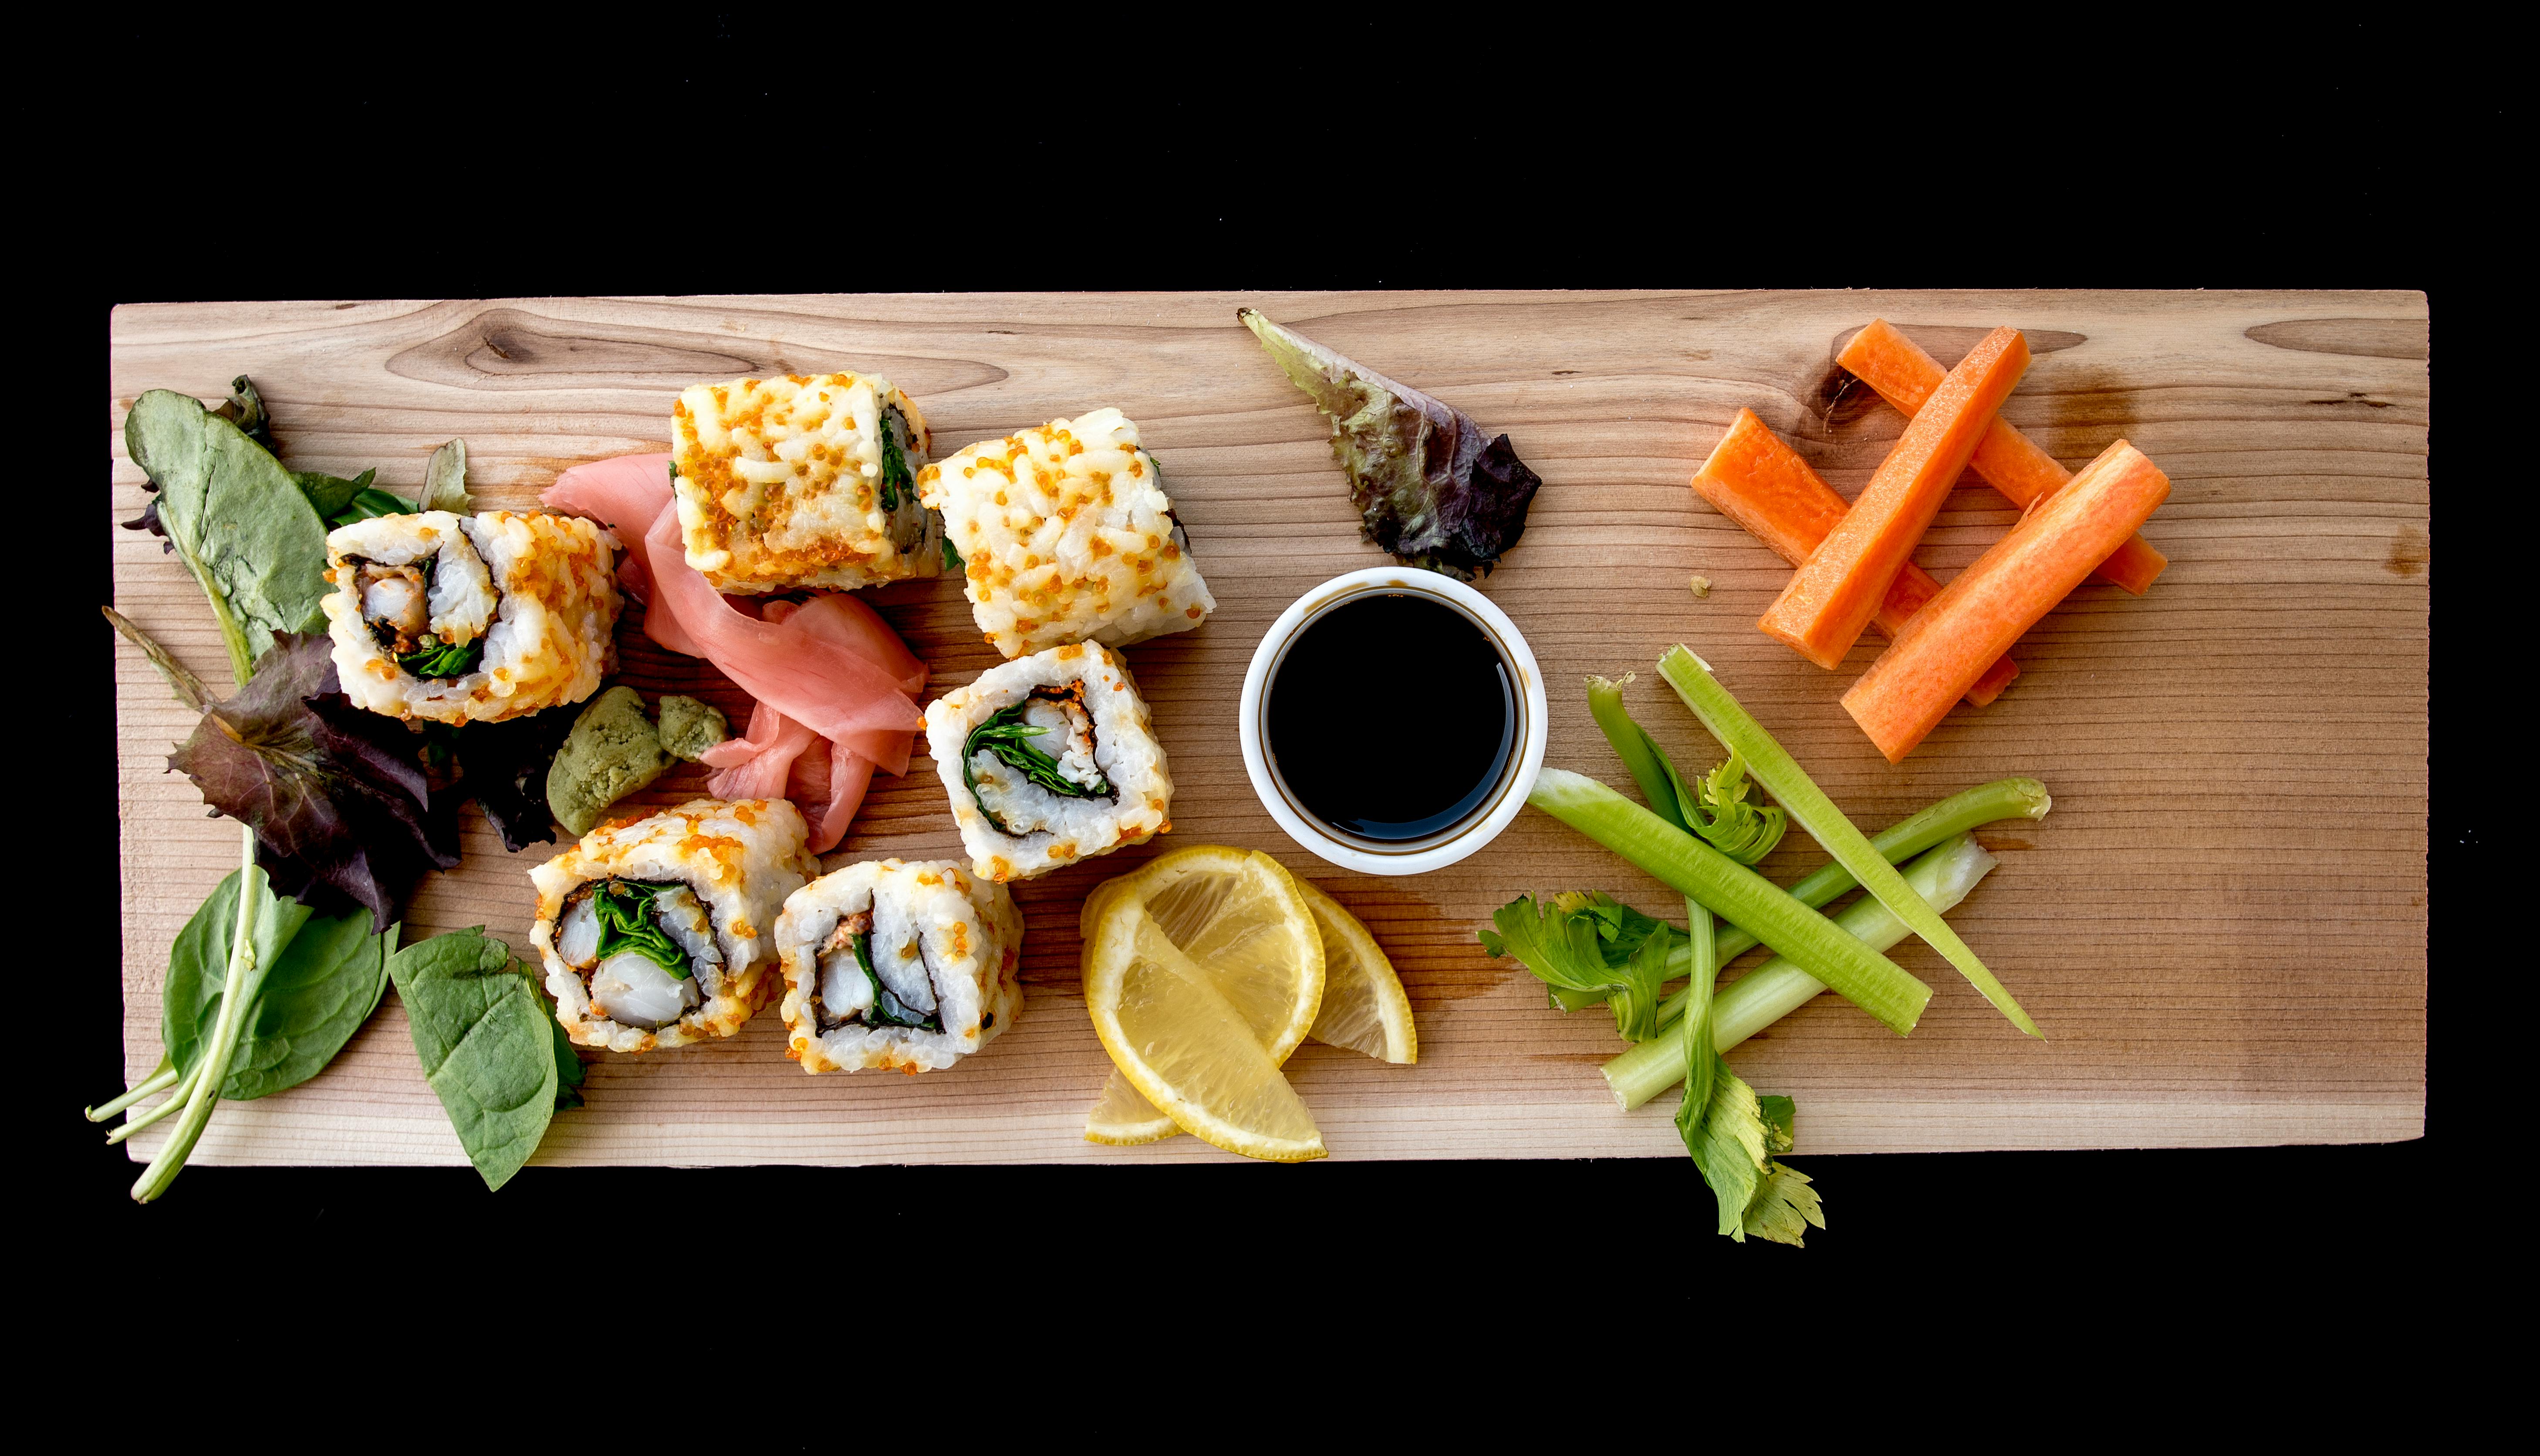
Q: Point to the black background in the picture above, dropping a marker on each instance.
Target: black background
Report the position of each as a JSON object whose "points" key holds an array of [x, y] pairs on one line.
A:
{"points": [[458, 157]]}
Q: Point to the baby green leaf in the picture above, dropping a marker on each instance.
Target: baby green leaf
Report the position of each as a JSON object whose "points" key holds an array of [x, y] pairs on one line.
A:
{"points": [[240, 520], [198, 968], [569, 1072], [444, 481], [371, 502], [320, 991], [487, 1043], [331, 496]]}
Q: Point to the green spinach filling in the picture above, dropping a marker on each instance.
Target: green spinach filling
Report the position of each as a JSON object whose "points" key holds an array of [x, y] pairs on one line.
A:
{"points": [[627, 922], [895, 476], [888, 1009], [438, 658], [1007, 737]]}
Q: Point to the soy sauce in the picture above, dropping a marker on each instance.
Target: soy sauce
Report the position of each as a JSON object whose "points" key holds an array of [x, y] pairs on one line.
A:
{"points": [[1392, 718]]}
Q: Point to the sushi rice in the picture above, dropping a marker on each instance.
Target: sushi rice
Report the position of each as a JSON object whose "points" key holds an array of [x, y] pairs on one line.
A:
{"points": [[870, 949], [803, 481], [718, 873], [1094, 734], [534, 596], [1066, 534]]}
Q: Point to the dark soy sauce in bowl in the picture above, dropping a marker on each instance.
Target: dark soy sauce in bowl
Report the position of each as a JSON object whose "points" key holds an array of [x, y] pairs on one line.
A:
{"points": [[1392, 718]]}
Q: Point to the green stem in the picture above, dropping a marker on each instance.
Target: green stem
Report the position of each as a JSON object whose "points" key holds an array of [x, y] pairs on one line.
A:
{"points": [[1773, 767], [1776, 988], [242, 661], [1986, 803], [1632, 745], [213, 1070], [1687, 866], [157, 1081], [177, 1100]]}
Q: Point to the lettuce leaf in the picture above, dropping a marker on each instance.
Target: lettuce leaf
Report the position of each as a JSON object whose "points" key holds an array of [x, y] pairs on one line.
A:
{"points": [[337, 794], [1430, 487]]}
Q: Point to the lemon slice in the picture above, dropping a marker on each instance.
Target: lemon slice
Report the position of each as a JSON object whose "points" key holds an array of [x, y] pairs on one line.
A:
{"points": [[1186, 1046], [1363, 1007], [1240, 915]]}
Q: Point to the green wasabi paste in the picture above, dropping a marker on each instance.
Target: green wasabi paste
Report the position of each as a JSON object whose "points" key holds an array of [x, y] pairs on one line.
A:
{"points": [[690, 727], [612, 751]]}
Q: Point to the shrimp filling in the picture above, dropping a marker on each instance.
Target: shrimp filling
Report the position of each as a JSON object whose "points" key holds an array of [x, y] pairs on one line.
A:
{"points": [[401, 604], [643, 947], [1026, 762], [877, 977]]}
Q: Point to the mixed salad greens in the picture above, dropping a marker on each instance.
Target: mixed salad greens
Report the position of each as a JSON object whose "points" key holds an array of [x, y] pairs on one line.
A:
{"points": [[340, 812]]}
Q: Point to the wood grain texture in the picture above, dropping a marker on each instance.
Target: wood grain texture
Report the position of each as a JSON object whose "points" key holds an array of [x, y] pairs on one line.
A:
{"points": [[2220, 927]]}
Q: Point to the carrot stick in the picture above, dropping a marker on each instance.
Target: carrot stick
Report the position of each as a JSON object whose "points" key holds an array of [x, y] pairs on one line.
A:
{"points": [[1762, 484], [1838, 589], [2010, 463], [1986, 607]]}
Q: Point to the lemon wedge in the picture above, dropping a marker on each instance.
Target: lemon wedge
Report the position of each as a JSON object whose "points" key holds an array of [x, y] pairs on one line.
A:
{"points": [[1364, 1006], [1203, 969]]}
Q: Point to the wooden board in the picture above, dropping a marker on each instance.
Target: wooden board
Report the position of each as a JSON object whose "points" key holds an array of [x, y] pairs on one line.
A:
{"points": [[2220, 926]]}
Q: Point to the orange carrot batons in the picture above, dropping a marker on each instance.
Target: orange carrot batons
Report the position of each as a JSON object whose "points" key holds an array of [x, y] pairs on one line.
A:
{"points": [[1940, 652], [1762, 484], [1897, 369], [1838, 589]]}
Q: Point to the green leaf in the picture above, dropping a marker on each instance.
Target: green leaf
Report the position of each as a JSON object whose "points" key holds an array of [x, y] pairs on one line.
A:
{"points": [[326, 984], [896, 479], [487, 1043], [444, 481], [240, 519], [953, 561], [1589, 944], [1007, 737], [443, 658], [198, 966], [1431, 487], [569, 1073], [1718, 810], [626, 923], [371, 501], [331, 495]]}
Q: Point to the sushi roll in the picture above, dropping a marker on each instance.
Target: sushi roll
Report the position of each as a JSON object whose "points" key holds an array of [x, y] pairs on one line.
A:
{"points": [[804, 481], [888, 964], [1049, 759], [654, 933], [1066, 534], [454, 618]]}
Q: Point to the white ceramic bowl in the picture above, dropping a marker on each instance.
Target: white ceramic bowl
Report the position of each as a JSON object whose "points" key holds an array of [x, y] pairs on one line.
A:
{"points": [[1414, 857]]}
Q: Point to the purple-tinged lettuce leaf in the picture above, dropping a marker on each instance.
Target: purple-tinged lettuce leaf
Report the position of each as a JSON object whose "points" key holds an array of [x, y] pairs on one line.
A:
{"points": [[503, 766], [337, 794], [1430, 487]]}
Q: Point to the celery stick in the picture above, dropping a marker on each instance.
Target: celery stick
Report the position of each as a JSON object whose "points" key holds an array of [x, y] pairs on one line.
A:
{"points": [[1864, 977], [1776, 988], [1781, 774], [1639, 752], [2002, 798]]}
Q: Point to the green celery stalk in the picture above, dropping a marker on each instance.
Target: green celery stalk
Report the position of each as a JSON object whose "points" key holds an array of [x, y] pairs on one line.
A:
{"points": [[1781, 774], [1639, 752], [1863, 976], [1986, 803], [1776, 988]]}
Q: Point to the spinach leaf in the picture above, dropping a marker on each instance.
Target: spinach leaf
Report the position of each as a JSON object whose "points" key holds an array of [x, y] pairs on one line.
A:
{"points": [[487, 1043], [198, 966], [1005, 735], [568, 1068], [372, 501], [337, 795], [1430, 487], [443, 658], [444, 481], [894, 465], [332, 496], [312, 994], [242, 523], [626, 923]]}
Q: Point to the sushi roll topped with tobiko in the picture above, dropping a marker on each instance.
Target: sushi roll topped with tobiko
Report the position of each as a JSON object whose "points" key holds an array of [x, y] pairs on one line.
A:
{"points": [[471, 618], [1066, 534], [1049, 759], [803, 481], [655, 932]]}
